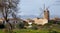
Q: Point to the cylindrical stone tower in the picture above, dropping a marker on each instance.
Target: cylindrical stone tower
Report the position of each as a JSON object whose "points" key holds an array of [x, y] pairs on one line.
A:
{"points": [[46, 14]]}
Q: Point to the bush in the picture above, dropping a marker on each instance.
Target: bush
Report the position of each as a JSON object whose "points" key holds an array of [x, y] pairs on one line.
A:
{"points": [[21, 25], [53, 32], [34, 26], [2, 26]]}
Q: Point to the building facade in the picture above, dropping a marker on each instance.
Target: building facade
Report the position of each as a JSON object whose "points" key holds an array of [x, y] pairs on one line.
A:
{"points": [[43, 20]]}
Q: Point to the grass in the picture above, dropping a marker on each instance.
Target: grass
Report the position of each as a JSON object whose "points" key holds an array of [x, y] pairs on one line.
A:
{"points": [[29, 31], [1, 31]]}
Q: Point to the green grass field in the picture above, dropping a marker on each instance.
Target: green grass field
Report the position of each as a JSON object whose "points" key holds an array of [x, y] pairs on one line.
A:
{"points": [[28, 31], [1, 31], [34, 31]]}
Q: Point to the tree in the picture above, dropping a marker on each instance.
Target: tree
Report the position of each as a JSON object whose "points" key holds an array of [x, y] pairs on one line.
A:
{"points": [[7, 8]]}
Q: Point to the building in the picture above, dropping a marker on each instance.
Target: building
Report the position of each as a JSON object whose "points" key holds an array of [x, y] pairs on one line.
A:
{"points": [[41, 21]]}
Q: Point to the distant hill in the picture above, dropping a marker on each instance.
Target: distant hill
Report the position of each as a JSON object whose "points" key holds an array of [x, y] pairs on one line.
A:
{"points": [[33, 16], [28, 16]]}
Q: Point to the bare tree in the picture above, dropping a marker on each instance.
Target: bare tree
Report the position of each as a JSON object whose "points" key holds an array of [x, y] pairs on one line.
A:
{"points": [[8, 8]]}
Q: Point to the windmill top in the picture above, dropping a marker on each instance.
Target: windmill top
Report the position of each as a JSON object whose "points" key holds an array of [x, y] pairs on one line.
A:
{"points": [[46, 9]]}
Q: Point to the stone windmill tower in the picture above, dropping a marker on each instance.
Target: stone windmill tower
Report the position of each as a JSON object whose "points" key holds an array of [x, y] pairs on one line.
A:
{"points": [[46, 14]]}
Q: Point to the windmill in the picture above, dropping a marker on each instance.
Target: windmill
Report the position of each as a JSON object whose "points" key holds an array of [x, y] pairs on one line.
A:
{"points": [[42, 10], [45, 12]]}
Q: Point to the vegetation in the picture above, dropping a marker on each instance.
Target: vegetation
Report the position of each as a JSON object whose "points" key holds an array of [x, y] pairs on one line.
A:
{"points": [[8, 8], [31, 31], [47, 28]]}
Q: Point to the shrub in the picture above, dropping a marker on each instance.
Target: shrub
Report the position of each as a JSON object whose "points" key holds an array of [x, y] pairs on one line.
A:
{"points": [[21, 25], [53, 32], [2, 26]]}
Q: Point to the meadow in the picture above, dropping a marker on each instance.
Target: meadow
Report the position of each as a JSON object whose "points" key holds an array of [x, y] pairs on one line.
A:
{"points": [[31, 31]]}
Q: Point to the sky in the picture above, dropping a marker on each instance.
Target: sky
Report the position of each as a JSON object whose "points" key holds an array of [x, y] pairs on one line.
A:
{"points": [[35, 7]]}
